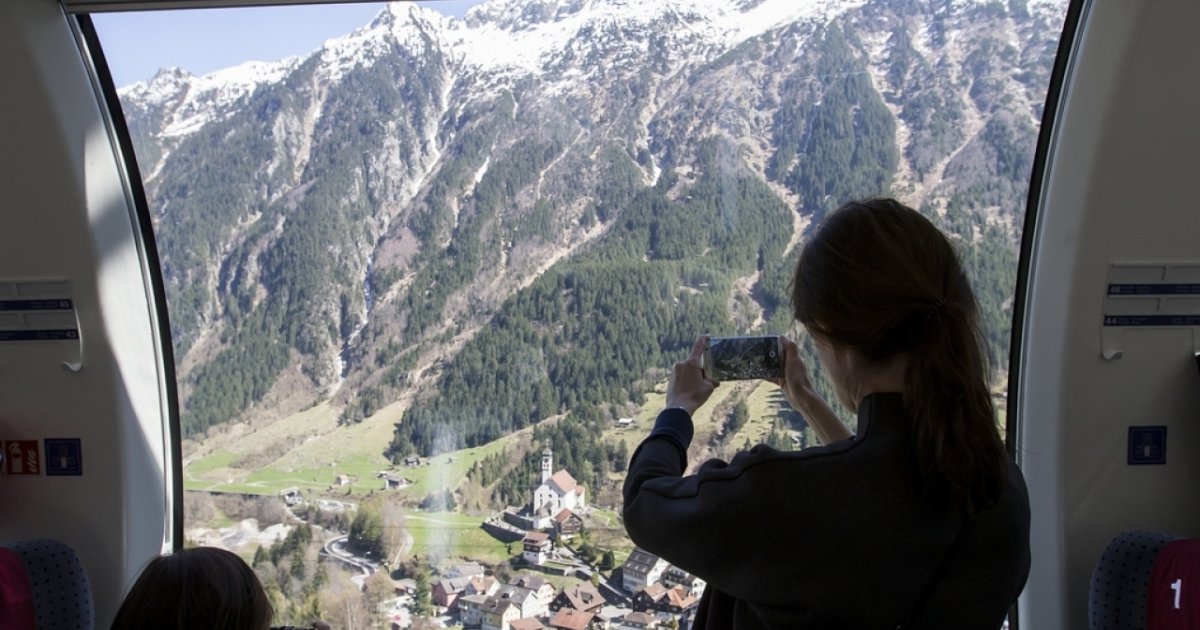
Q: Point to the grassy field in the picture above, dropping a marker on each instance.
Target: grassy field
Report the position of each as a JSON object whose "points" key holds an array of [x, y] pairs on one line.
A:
{"points": [[324, 452], [309, 450], [451, 536], [605, 531]]}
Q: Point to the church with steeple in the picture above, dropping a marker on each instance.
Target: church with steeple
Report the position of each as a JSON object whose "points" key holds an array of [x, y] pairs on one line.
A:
{"points": [[558, 491]]}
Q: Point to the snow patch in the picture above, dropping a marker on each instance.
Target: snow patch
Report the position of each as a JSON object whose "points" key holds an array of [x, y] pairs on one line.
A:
{"points": [[403, 25], [483, 169], [213, 96]]}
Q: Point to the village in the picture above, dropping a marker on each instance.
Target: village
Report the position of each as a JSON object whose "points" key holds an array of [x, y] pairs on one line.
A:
{"points": [[644, 592]]}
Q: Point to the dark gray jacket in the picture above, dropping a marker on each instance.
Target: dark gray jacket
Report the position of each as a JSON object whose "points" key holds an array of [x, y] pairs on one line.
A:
{"points": [[829, 537]]}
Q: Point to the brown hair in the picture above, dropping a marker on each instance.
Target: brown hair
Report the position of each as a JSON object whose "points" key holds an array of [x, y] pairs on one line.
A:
{"points": [[880, 279], [202, 588]]}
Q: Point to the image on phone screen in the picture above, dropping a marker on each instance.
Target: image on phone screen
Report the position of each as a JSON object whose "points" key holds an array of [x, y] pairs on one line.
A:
{"points": [[743, 358]]}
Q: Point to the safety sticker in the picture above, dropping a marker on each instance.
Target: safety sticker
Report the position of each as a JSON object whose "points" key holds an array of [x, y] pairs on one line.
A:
{"points": [[21, 457], [1147, 446], [64, 457]]}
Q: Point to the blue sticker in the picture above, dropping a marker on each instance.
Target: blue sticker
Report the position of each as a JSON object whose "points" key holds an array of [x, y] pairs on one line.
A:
{"points": [[64, 457], [1147, 446]]}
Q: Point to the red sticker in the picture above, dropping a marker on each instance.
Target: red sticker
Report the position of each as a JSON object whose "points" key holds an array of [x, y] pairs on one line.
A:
{"points": [[21, 457]]}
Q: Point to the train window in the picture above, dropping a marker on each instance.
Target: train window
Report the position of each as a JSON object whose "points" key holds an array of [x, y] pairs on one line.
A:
{"points": [[426, 276]]}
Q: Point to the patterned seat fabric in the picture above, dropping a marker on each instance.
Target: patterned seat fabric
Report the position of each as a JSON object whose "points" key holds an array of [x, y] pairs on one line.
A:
{"points": [[1117, 600], [62, 594]]}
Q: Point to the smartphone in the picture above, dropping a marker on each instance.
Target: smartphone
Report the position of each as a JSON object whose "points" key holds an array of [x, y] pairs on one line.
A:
{"points": [[743, 358]]}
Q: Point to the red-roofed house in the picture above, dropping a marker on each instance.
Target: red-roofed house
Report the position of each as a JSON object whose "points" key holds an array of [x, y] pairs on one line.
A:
{"points": [[537, 547], [649, 598], [567, 524], [571, 619], [582, 596], [482, 585], [677, 599], [527, 623], [444, 592]]}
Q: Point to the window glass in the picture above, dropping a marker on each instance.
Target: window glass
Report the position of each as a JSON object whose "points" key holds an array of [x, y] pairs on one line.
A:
{"points": [[427, 266]]}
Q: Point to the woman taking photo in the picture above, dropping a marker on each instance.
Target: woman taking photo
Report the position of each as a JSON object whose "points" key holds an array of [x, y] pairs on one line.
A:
{"points": [[920, 520]]}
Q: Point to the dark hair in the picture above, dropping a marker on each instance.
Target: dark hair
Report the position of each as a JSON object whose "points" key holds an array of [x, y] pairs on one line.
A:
{"points": [[878, 278], [201, 588]]}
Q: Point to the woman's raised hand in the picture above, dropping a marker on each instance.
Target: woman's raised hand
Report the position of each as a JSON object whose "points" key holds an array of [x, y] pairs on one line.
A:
{"points": [[795, 382], [689, 388], [804, 398]]}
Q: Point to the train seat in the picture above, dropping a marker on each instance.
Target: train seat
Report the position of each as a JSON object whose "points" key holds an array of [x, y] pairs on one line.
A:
{"points": [[43, 586], [1136, 565]]}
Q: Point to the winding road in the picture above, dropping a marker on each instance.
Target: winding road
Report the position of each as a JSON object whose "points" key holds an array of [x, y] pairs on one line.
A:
{"points": [[339, 548]]}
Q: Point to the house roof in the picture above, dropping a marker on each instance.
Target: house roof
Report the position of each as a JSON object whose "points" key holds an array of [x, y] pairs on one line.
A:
{"points": [[453, 585], [678, 596], [514, 593], [678, 574], [563, 515], [536, 537], [497, 605], [654, 591], [526, 623], [529, 581], [571, 619], [465, 569], [610, 612], [563, 481], [583, 596], [482, 583], [641, 561], [476, 601], [639, 618]]}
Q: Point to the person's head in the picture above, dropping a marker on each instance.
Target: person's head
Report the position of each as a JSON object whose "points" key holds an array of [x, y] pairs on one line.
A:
{"points": [[879, 286], [201, 588]]}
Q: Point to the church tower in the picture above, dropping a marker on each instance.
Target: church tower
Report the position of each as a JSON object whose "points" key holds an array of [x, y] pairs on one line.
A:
{"points": [[547, 464]]}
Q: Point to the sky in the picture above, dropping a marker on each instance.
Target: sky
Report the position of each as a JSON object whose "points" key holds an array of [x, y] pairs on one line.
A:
{"points": [[137, 44]]}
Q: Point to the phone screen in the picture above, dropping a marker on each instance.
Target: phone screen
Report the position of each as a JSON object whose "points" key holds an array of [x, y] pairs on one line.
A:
{"points": [[743, 358]]}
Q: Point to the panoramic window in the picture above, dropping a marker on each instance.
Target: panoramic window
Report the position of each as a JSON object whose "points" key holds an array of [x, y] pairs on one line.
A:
{"points": [[427, 274]]}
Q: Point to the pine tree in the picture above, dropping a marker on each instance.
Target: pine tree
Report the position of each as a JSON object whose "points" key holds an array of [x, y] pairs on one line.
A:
{"points": [[422, 602]]}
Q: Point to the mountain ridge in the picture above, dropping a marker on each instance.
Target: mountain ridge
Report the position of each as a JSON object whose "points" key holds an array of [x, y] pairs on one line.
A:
{"points": [[395, 193]]}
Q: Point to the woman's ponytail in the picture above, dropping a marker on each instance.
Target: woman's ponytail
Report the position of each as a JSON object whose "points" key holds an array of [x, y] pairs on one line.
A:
{"points": [[879, 278], [959, 453]]}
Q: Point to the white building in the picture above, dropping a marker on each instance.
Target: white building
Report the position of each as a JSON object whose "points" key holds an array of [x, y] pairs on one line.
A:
{"points": [[641, 569], [536, 547], [558, 490], [543, 590]]}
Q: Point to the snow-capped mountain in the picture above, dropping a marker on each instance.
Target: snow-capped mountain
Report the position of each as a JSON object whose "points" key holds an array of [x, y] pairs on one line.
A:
{"points": [[345, 225]]}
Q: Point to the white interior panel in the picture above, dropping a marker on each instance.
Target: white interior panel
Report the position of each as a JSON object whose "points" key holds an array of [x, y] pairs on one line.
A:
{"points": [[1119, 189], [67, 217]]}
